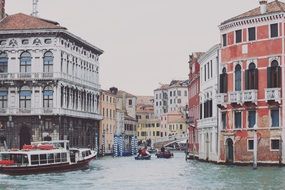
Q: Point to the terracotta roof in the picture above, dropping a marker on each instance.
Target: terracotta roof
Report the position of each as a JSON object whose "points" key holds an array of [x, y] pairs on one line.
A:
{"points": [[272, 7], [22, 21]]}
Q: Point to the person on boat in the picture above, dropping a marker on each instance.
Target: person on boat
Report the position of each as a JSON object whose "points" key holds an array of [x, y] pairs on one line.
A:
{"points": [[162, 149], [139, 152], [144, 151]]}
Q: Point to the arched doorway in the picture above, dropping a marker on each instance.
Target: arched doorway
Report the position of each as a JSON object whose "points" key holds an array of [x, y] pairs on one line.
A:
{"points": [[25, 136], [229, 151]]}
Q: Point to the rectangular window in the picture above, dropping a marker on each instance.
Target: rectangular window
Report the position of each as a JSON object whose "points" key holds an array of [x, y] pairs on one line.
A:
{"points": [[238, 36], [208, 70], [237, 120], [211, 69], [250, 145], [274, 118], [178, 93], [179, 101], [274, 30], [251, 34], [224, 40], [130, 102], [275, 144], [224, 120], [251, 119], [205, 72]]}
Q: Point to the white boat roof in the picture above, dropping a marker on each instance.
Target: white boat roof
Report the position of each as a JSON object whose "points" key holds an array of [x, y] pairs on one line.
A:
{"points": [[36, 151]]}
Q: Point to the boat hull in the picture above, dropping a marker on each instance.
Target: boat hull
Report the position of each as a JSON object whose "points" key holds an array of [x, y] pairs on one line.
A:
{"points": [[143, 157], [62, 167]]}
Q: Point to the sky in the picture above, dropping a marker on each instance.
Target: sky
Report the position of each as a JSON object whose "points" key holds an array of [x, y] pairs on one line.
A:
{"points": [[145, 42]]}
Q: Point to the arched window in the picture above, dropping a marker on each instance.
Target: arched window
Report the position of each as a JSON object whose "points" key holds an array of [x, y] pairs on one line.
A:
{"points": [[3, 63], [238, 78], [48, 62], [274, 75], [251, 77], [3, 98], [48, 97], [25, 62], [224, 81], [25, 97]]}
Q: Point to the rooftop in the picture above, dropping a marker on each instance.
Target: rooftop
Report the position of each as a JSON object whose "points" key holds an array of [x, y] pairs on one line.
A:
{"points": [[272, 7]]}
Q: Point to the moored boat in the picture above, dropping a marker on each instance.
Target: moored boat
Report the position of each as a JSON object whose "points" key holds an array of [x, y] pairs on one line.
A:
{"points": [[43, 157]]}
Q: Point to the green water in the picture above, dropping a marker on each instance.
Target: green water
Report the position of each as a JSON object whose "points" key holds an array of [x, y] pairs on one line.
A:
{"points": [[128, 174]]}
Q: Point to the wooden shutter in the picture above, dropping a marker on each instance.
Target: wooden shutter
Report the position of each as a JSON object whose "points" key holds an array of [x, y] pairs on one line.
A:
{"points": [[221, 83], [279, 77], [226, 83], [268, 77], [255, 79], [246, 80]]}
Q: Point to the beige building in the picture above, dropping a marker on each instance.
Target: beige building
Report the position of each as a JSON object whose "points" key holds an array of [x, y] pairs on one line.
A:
{"points": [[149, 129], [108, 124], [173, 125]]}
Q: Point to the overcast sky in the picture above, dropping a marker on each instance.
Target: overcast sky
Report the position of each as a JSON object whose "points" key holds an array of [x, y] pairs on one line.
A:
{"points": [[146, 42]]}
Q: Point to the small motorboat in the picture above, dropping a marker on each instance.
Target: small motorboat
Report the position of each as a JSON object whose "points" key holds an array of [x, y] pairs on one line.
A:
{"points": [[148, 157], [165, 154]]}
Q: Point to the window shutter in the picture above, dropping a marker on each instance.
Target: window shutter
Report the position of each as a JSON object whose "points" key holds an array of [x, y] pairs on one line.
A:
{"points": [[255, 79], [268, 77], [246, 80], [278, 76], [226, 83], [221, 83]]}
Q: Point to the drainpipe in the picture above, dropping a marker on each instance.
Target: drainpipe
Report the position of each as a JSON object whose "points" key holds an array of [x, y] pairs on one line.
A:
{"points": [[255, 148], [283, 94]]}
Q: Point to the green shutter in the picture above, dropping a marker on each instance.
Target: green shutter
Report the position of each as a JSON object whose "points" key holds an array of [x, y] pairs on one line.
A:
{"points": [[279, 77], [256, 79], [246, 80]]}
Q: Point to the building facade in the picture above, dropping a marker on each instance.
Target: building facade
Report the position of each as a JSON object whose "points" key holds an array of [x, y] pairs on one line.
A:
{"points": [[49, 85], [193, 103], [251, 78], [109, 122], [171, 97], [208, 123]]}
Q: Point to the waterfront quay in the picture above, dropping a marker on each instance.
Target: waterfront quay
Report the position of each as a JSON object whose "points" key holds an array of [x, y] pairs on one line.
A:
{"points": [[176, 173]]}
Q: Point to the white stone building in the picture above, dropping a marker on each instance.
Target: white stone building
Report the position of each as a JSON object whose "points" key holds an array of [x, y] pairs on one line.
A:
{"points": [[208, 123], [49, 83], [171, 97]]}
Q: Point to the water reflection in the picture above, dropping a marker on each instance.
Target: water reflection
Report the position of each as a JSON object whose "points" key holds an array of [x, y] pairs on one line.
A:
{"points": [[128, 174]]}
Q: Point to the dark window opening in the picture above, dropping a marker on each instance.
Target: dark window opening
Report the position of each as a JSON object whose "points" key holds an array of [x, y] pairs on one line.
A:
{"points": [[274, 30], [251, 34], [238, 36]]}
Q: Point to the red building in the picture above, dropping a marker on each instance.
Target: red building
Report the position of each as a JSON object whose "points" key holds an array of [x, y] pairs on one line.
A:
{"points": [[194, 103], [251, 75]]}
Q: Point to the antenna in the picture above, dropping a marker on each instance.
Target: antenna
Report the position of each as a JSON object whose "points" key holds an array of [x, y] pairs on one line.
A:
{"points": [[35, 8]]}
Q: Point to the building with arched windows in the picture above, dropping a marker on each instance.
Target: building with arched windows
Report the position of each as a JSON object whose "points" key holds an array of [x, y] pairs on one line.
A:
{"points": [[250, 93], [49, 83]]}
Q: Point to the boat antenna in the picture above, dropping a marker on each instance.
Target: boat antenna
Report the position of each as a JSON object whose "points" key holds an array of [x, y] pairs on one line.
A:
{"points": [[35, 8]]}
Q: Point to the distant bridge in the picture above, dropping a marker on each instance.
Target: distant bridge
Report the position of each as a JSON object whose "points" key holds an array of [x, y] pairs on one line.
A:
{"points": [[166, 141]]}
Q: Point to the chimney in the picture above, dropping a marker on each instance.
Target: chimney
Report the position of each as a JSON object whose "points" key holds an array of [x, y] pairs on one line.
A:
{"points": [[263, 6], [2, 9]]}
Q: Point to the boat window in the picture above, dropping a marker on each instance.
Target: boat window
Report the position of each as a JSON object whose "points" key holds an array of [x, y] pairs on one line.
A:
{"points": [[17, 158], [34, 159], [89, 152], [4, 157], [50, 158], [83, 154], [57, 157], [43, 159], [63, 157], [25, 159]]}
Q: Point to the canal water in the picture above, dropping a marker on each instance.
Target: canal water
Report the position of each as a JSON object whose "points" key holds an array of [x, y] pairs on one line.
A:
{"points": [[173, 174]]}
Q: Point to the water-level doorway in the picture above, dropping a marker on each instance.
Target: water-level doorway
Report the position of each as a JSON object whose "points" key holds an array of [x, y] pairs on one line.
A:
{"points": [[229, 151]]}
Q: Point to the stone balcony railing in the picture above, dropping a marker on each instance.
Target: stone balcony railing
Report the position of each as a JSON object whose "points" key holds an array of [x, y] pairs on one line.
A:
{"points": [[47, 76], [222, 98], [207, 122], [49, 111], [249, 96], [273, 94], [235, 97]]}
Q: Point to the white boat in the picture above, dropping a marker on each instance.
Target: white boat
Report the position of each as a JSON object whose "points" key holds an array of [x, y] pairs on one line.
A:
{"points": [[45, 156]]}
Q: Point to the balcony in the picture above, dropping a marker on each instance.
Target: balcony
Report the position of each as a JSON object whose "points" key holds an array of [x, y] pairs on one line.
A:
{"points": [[273, 94], [250, 96], [207, 122], [235, 97], [49, 111], [222, 99], [47, 76]]}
